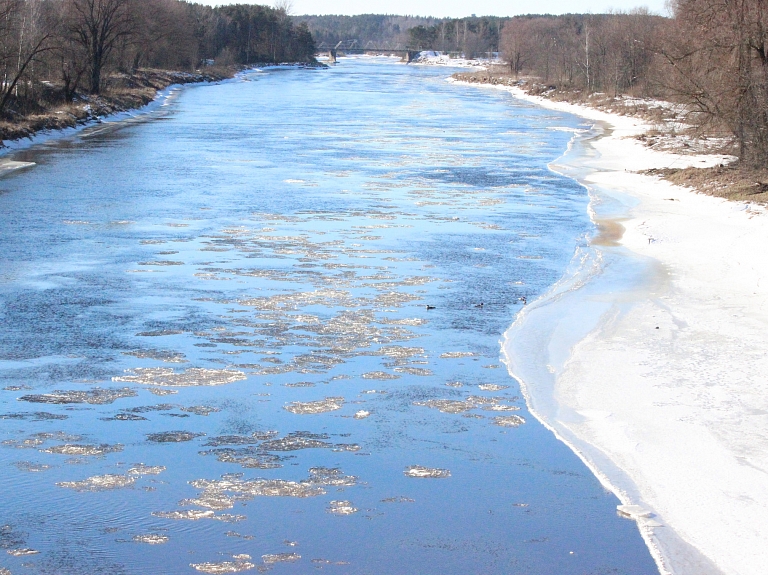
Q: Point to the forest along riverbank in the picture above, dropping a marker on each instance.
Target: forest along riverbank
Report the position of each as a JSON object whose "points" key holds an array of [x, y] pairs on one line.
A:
{"points": [[648, 358], [127, 92], [271, 336]]}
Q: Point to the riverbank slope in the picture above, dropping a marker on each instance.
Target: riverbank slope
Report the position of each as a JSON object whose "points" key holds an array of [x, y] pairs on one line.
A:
{"points": [[651, 358]]}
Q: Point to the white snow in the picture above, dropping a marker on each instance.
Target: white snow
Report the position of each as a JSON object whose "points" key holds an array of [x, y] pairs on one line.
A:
{"points": [[650, 358]]}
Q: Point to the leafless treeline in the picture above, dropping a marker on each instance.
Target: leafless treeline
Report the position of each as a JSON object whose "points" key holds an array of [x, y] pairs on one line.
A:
{"points": [[710, 55], [53, 48]]}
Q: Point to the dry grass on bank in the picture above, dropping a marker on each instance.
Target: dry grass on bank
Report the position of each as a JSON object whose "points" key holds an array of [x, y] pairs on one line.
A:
{"points": [[732, 182]]}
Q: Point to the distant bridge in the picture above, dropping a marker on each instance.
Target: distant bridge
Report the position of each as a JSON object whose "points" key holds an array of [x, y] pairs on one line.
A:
{"points": [[353, 47]]}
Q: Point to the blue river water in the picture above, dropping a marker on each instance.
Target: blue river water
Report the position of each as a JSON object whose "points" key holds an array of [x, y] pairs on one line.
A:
{"points": [[257, 329]]}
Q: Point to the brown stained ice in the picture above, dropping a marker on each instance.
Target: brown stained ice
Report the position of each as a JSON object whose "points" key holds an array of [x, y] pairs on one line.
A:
{"points": [[173, 436], [191, 377], [341, 508], [96, 396], [509, 421], [491, 387], [380, 375], [271, 559], [426, 472], [100, 483], [150, 539], [314, 407], [83, 450]]}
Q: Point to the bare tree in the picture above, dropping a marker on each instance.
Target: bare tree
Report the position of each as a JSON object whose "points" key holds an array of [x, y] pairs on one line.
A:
{"points": [[99, 26], [31, 32]]}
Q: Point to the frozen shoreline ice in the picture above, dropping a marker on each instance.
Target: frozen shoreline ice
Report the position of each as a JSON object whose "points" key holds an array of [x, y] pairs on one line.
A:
{"points": [[649, 357]]}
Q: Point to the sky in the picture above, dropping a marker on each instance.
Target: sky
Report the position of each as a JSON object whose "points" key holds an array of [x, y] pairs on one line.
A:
{"points": [[458, 8]]}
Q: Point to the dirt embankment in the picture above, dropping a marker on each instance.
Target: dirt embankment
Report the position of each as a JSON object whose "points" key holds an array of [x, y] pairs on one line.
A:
{"points": [[669, 131], [125, 92]]}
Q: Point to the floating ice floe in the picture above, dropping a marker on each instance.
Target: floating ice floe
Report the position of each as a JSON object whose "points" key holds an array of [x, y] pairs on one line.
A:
{"points": [[312, 407], [426, 472], [456, 354], [224, 567], [31, 467], [508, 420], [96, 396], [22, 552], [341, 508], [189, 514], [173, 436], [158, 354], [191, 377], [362, 414], [141, 469], [271, 559], [151, 539], [491, 387], [639, 514], [84, 450], [381, 375], [100, 482]]}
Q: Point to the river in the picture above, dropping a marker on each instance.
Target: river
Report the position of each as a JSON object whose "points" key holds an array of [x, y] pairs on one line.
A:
{"points": [[257, 328]]}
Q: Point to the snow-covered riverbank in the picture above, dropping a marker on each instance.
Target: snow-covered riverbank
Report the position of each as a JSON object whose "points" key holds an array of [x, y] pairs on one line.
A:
{"points": [[651, 358]]}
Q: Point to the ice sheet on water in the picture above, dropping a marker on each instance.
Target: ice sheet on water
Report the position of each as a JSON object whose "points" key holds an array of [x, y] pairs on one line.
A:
{"points": [[34, 416]]}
